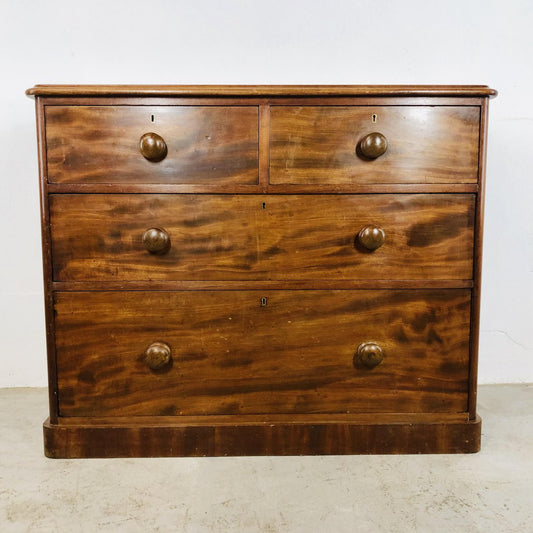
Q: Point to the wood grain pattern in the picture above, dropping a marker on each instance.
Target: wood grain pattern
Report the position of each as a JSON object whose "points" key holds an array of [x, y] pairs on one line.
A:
{"points": [[99, 237], [248, 378], [317, 144], [252, 90], [478, 256], [189, 188], [100, 144], [196, 440], [231, 355], [46, 241], [261, 284]]}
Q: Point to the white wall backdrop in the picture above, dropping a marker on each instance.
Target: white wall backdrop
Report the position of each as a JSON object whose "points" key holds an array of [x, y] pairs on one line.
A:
{"points": [[276, 42]]}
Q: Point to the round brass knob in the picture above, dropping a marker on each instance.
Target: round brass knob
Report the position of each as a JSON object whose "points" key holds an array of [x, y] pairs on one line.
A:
{"points": [[156, 241], [373, 145], [157, 355], [369, 354], [153, 147], [371, 237]]}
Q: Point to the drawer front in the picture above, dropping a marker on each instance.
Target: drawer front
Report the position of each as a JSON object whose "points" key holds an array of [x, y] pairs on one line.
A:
{"points": [[232, 352], [258, 237], [321, 144], [214, 145]]}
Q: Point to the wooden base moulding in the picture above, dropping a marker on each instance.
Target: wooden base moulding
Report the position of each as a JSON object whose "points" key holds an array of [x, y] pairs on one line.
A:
{"points": [[260, 438]]}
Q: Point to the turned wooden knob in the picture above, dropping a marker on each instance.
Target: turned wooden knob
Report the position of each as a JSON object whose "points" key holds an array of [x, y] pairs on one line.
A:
{"points": [[153, 147], [369, 354], [373, 145], [157, 355], [156, 240], [371, 237]]}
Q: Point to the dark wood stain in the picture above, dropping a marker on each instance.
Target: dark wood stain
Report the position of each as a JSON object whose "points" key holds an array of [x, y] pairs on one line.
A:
{"points": [[311, 336], [318, 144], [247, 377], [449, 226], [100, 144], [221, 237]]}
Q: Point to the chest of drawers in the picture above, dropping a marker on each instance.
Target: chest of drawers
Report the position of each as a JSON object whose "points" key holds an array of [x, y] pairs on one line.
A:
{"points": [[261, 270]]}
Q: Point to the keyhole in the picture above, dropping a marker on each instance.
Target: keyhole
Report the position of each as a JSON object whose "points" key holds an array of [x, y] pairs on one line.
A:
{"points": [[152, 118], [374, 118], [264, 205], [263, 301]]}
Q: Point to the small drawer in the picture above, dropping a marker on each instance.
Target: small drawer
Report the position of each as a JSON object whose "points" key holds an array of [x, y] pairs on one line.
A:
{"points": [[341, 145], [204, 145], [252, 352], [260, 237]]}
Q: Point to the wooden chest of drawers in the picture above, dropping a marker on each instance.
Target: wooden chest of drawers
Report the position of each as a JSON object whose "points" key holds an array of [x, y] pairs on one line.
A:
{"points": [[261, 270]]}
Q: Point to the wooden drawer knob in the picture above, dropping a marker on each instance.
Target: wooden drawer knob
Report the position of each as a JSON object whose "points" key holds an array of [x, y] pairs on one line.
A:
{"points": [[371, 237], [373, 145], [157, 355], [369, 354], [153, 147], [156, 241]]}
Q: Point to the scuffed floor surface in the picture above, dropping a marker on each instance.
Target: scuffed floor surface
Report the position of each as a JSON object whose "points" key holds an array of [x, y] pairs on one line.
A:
{"points": [[486, 492]]}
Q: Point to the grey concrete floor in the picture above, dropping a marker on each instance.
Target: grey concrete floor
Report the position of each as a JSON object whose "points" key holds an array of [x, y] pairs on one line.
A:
{"points": [[485, 492]]}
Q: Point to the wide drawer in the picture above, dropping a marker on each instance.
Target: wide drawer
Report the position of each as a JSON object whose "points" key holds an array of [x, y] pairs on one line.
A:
{"points": [[213, 145], [262, 352], [425, 144], [261, 237]]}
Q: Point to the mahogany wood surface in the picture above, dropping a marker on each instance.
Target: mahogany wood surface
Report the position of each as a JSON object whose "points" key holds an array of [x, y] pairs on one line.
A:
{"points": [[189, 285], [320, 144], [136, 440], [283, 237], [271, 418], [46, 240], [231, 354], [478, 256], [266, 90], [100, 144], [267, 326], [258, 100], [263, 187]]}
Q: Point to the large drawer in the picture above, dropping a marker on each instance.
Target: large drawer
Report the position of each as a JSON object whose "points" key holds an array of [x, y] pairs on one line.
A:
{"points": [[213, 145], [261, 237], [320, 145], [262, 352]]}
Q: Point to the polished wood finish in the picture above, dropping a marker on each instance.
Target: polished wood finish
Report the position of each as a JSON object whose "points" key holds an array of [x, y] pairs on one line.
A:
{"points": [[156, 240], [350, 188], [268, 188], [158, 355], [373, 145], [286, 438], [153, 147], [478, 256], [100, 144], [425, 144], [261, 90], [369, 355], [99, 237], [46, 240], [298, 360], [371, 237], [352, 283], [189, 285]]}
